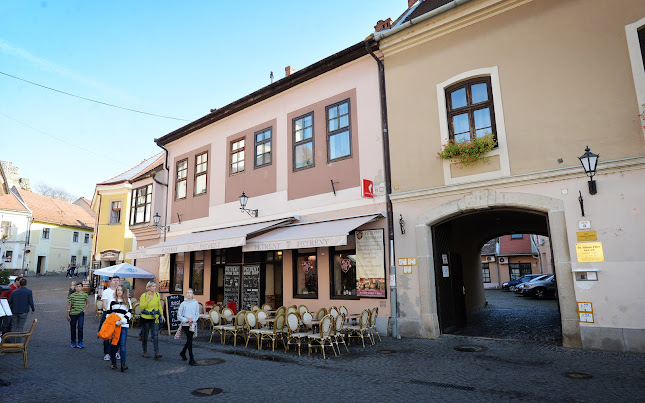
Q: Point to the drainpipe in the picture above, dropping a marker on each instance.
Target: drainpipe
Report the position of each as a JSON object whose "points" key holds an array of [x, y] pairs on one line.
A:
{"points": [[388, 190], [167, 168], [24, 247]]}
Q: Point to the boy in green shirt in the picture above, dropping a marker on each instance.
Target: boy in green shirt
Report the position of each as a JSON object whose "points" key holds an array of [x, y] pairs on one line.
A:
{"points": [[77, 303]]}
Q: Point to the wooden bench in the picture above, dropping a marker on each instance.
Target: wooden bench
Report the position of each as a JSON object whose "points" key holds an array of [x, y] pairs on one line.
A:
{"points": [[8, 347]]}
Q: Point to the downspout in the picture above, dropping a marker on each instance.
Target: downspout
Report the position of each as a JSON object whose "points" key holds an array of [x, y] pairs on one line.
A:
{"points": [[388, 190], [24, 248], [167, 168], [96, 235]]}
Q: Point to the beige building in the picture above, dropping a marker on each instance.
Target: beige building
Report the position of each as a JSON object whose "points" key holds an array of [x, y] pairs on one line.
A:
{"points": [[547, 78]]}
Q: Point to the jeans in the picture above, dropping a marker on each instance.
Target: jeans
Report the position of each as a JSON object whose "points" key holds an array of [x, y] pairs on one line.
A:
{"points": [[106, 343], [18, 321], [76, 321], [119, 347], [149, 326]]}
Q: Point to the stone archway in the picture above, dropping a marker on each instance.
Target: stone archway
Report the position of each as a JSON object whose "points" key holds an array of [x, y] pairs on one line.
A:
{"points": [[487, 199]]}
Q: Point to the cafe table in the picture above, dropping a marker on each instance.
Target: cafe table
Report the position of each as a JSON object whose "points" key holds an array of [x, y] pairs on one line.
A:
{"points": [[312, 323]]}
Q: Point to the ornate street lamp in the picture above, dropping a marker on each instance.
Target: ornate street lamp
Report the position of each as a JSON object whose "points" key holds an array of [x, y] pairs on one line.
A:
{"points": [[589, 162], [243, 200]]}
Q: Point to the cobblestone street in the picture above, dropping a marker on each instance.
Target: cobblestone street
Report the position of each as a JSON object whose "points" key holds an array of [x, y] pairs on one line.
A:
{"points": [[392, 370]]}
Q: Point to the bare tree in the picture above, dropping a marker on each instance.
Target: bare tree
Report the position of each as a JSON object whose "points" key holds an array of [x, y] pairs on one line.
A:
{"points": [[55, 192]]}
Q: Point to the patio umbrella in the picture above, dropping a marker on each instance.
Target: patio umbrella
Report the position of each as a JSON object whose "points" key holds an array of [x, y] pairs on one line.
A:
{"points": [[123, 270]]}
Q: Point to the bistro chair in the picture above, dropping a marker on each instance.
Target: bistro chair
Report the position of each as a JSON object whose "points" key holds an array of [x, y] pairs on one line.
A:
{"points": [[343, 310], [294, 334], [98, 309], [227, 314], [321, 313], [266, 307], [262, 318], [361, 330], [255, 307], [333, 311], [275, 333], [306, 317], [372, 326], [323, 338], [136, 314], [251, 319], [339, 335], [292, 309], [9, 343], [216, 325], [302, 309], [236, 329], [281, 310]]}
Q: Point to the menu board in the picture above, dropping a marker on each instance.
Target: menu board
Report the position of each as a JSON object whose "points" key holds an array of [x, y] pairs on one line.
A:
{"points": [[250, 286], [232, 284], [370, 263], [172, 307]]}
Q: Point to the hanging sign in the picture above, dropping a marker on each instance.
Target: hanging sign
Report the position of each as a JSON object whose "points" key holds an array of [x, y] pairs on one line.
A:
{"points": [[164, 273], [367, 189], [345, 265], [370, 263]]}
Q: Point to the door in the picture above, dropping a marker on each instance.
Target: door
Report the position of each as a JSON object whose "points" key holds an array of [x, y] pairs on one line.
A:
{"points": [[40, 265]]}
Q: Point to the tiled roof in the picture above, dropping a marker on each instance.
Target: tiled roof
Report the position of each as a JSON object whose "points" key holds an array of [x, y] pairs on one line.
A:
{"points": [[53, 211], [508, 246], [489, 248], [10, 202], [136, 171]]}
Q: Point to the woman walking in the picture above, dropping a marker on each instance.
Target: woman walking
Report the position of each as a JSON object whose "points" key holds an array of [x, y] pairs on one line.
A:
{"points": [[151, 313], [188, 314], [120, 306]]}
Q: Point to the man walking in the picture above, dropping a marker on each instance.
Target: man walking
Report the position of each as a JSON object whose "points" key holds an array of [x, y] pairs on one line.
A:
{"points": [[107, 298], [21, 300], [77, 303]]}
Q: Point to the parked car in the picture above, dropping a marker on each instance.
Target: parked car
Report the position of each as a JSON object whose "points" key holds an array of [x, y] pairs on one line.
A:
{"points": [[512, 285], [539, 288]]}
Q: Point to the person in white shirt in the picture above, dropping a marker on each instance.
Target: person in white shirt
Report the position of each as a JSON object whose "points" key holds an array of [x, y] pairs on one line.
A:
{"points": [[107, 297], [188, 314]]}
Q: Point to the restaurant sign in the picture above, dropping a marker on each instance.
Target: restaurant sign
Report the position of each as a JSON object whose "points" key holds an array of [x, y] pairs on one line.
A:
{"points": [[370, 263], [196, 246], [318, 242], [164, 273]]}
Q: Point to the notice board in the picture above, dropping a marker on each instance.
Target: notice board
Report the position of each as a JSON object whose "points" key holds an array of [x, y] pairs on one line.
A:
{"points": [[172, 307], [250, 286], [232, 285]]}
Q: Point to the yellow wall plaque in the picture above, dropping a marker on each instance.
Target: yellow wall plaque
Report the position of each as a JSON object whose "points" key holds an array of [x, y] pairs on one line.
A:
{"points": [[590, 252], [407, 269], [587, 236]]}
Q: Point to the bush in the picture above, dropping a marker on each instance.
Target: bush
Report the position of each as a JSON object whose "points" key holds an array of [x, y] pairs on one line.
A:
{"points": [[4, 277]]}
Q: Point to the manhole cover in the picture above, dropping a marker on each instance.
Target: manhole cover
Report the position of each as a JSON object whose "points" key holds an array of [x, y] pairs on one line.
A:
{"points": [[210, 361], [206, 392], [578, 375], [471, 348], [386, 351]]}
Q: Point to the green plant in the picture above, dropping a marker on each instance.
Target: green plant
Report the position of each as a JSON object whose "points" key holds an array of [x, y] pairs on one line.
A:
{"points": [[4, 276], [466, 153]]}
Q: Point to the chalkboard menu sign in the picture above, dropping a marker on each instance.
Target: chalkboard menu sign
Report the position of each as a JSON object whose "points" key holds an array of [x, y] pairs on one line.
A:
{"points": [[172, 307], [250, 286], [232, 284]]}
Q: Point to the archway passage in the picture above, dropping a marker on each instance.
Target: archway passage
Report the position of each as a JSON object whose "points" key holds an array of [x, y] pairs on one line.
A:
{"points": [[463, 304]]}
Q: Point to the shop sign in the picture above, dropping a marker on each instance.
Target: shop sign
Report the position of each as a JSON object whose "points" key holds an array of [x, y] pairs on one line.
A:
{"points": [[164, 273], [370, 263], [320, 242], [586, 236], [590, 252], [172, 304], [368, 188], [345, 265], [307, 266]]}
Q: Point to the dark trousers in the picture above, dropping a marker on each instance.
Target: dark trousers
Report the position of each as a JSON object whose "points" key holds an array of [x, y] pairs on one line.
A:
{"points": [[189, 342], [148, 326], [5, 323], [76, 321], [106, 343]]}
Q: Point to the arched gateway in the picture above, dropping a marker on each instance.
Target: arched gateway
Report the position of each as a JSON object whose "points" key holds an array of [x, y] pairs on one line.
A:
{"points": [[455, 231]]}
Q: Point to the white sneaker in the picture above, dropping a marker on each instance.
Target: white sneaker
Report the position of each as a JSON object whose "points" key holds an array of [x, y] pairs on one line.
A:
{"points": [[118, 356], [107, 357]]}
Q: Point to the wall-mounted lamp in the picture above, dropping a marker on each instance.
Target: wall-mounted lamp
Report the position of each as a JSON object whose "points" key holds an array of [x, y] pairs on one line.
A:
{"points": [[589, 162], [156, 219], [243, 200]]}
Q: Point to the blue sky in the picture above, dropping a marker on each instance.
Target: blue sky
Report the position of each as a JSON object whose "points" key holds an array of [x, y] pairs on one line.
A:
{"points": [[171, 58]]}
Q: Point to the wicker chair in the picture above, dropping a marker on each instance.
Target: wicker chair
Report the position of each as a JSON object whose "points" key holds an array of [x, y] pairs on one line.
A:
{"points": [[281, 310], [339, 335], [236, 329], [228, 312], [291, 309], [273, 334], [343, 310], [251, 318], [262, 315], [136, 314], [361, 330], [321, 313], [373, 316], [216, 325], [323, 338], [7, 346], [98, 309], [266, 307], [333, 311], [255, 307], [302, 309], [306, 317], [294, 333]]}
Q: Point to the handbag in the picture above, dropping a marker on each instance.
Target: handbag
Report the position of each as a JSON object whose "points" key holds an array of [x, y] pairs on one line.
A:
{"points": [[178, 334]]}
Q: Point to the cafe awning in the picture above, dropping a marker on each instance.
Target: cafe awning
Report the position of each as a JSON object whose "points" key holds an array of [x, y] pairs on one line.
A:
{"points": [[319, 234], [213, 239], [140, 254]]}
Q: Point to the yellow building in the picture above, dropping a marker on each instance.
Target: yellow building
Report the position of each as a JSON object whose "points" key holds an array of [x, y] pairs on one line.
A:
{"points": [[111, 202]]}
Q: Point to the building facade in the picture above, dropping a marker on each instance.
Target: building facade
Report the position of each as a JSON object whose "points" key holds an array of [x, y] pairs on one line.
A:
{"points": [[15, 218], [545, 79]]}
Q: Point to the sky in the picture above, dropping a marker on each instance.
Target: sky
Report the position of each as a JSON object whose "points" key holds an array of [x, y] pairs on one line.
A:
{"points": [[175, 59]]}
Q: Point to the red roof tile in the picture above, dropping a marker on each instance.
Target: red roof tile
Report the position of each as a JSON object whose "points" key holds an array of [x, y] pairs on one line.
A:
{"points": [[10, 202], [53, 211]]}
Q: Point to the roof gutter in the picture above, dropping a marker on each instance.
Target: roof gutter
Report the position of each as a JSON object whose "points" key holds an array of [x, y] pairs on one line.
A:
{"points": [[439, 10]]}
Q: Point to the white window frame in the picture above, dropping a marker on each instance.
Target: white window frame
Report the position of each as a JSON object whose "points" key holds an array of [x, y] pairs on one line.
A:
{"points": [[86, 238], [77, 235], [46, 231], [638, 70], [502, 148]]}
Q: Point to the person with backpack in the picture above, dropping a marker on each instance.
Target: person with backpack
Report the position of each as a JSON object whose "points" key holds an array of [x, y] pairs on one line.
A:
{"points": [[151, 314]]}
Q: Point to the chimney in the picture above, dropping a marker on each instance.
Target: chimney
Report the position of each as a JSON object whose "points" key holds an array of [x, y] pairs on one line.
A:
{"points": [[381, 25], [411, 3], [289, 70]]}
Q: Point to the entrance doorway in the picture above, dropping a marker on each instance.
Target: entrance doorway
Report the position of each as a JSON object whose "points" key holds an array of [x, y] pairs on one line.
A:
{"points": [[464, 304], [40, 265]]}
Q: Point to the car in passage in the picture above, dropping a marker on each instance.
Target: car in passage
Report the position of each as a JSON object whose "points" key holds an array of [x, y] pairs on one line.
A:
{"points": [[539, 288], [512, 285]]}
